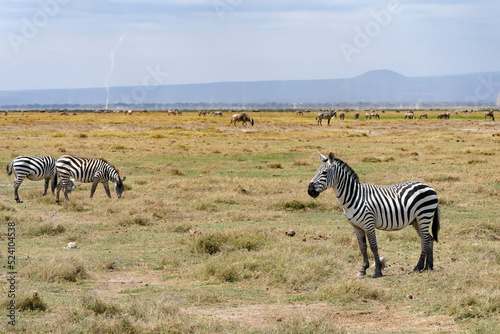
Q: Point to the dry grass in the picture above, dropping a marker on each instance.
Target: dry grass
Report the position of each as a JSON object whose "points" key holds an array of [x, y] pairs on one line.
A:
{"points": [[197, 243]]}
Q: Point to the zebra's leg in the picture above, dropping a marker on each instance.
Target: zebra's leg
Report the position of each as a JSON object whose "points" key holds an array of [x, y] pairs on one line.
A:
{"points": [[372, 240], [360, 234], [94, 186], [53, 183], [429, 263], [17, 184], [426, 243], [421, 261], [46, 186], [58, 190], [106, 187]]}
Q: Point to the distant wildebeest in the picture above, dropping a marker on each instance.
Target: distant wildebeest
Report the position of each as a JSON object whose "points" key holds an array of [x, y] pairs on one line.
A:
{"points": [[342, 115], [356, 115], [423, 116], [490, 115], [202, 112], [241, 118], [299, 112], [325, 115], [444, 116]]}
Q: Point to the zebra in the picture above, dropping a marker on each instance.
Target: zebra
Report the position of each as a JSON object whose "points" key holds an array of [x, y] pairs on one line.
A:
{"points": [[368, 207], [87, 170], [326, 115], [35, 169]]}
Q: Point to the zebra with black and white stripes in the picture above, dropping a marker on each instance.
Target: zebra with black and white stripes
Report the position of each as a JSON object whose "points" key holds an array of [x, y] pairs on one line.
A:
{"points": [[34, 168], [87, 170], [368, 207]]}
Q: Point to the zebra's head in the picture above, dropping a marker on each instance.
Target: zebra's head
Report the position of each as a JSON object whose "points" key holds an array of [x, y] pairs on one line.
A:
{"points": [[119, 185], [322, 180]]}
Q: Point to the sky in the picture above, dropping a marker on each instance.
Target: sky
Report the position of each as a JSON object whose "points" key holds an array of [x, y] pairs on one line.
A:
{"points": [[49, 44]]}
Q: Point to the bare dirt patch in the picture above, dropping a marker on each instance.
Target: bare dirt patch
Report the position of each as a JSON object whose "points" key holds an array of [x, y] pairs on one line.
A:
{"points": [[263, 316]]}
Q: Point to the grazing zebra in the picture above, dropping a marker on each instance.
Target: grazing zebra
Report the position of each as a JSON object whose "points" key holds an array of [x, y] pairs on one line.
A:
{"points": [[87, 170], [241, 118], [368, 207], [35, 169], [489, 114], [325, 115], [423, 116], [444, 116], [410, 115]]}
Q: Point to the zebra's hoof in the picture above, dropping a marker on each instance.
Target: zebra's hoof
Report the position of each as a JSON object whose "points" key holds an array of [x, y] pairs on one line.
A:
{"points": [[19, 201], [361, 274], [376, 275]]}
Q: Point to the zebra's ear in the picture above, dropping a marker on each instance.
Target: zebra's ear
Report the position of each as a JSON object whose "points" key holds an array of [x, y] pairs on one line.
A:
{"points": [[322, 157], [331, 157]]}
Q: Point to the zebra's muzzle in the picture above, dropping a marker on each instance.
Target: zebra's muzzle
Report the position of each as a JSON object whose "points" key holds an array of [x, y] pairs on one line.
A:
{"points": [[312, 191]]}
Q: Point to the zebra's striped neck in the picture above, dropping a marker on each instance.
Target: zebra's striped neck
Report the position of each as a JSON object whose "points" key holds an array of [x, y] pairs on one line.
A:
{"points": [[344, 181]]}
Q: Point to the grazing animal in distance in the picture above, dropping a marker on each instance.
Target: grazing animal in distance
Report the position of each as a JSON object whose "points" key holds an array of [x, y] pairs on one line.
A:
{"points": [[325, 115], [423, 116], [34, 168], [342, 115], [490, 115], [410, 115], [356, 115], [241, 118], [368, 207], [444, 116], [87, 170], [299, 112]]}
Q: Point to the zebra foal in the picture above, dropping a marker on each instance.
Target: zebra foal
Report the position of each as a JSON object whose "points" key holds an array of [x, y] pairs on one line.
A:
{"points": [[87, 170], [368, 207], [34, 168]]}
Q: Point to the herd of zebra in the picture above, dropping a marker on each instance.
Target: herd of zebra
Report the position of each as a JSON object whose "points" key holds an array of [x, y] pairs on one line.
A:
{"points": [[366, 207], [68, 168]]}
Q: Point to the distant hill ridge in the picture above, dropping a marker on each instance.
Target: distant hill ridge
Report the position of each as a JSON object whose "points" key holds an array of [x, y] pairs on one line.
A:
{"points": [[379, 86]]}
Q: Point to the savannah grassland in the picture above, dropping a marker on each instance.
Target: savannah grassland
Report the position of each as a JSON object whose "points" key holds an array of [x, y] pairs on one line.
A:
{"points": [[198, 243]]}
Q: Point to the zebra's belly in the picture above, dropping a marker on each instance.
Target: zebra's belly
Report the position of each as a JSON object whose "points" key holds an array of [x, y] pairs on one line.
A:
{"points": [[34, 177]]}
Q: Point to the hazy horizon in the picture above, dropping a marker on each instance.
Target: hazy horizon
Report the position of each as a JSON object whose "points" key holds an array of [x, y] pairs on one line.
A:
{"points": [[61, 44]]}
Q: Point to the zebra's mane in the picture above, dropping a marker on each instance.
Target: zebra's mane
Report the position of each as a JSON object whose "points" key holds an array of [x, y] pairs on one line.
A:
{"points": [[350, 172]]}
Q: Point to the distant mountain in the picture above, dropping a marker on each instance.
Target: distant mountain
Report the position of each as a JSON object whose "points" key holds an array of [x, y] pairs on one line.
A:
{"points": [[380, 86]]}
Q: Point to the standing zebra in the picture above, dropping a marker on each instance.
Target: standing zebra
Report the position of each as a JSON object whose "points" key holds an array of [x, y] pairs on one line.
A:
{"points": [[35, 169], [368, 207], [87, 170]]}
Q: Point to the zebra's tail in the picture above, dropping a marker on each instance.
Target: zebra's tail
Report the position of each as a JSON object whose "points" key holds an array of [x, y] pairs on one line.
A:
{"points": [[435, 225], [9, 169]]}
